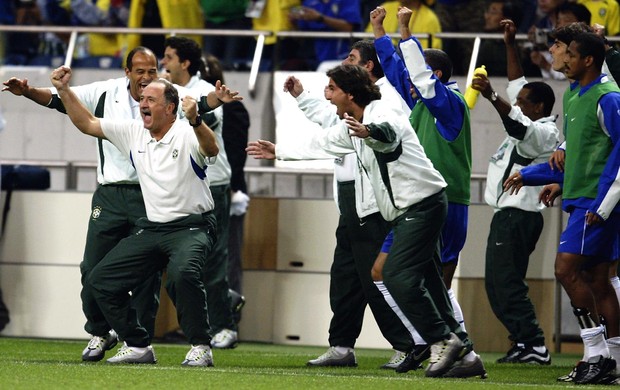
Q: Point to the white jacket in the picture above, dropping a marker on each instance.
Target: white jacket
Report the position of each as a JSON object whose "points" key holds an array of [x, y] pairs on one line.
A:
{"points": [[410, 176], [540, 141]]}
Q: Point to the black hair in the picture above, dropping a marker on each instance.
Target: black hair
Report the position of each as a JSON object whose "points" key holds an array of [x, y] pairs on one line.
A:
{"points": [[540, 92], [212, 69], [439, 60], [566, 34], [354, 80], [367, 51], [187, 49], [590, 44], [581, 12], [140, 49]]}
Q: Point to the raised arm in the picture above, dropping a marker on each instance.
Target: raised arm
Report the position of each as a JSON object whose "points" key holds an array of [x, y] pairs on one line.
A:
{"points": [[404, 16], [79, 115], [514, 69], [204, 134]]}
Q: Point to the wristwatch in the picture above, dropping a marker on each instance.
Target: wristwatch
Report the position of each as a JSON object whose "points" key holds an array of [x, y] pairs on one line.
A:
{"points": [[493, 96], [198, 121]]}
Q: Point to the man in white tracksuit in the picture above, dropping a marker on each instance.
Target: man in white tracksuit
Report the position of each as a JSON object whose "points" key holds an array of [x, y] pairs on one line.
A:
{"points": [[410, 194]]}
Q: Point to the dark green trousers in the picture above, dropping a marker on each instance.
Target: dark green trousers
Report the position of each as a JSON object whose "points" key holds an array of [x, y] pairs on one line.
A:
{"points": [[412, 271], [215, 276], [512, 238], [114, 212], [351, 286], [180, 247]]}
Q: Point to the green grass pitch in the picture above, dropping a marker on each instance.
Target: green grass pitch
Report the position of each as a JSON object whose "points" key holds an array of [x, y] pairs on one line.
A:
{"points": [[56, 364]]}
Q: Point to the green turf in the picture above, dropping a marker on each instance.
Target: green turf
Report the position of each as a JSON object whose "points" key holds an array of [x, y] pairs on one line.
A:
{"points": [[52, 364]]}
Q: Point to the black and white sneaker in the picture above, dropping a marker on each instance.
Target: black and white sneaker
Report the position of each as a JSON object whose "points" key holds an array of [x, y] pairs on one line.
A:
{"points": [[414, 359], [597, 369], [530, 355], [511, 354], [570, 377]]}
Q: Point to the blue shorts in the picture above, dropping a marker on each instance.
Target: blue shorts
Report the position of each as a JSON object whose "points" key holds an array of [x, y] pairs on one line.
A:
{"points": [[453, 233], [387, 243], [596, 241]]}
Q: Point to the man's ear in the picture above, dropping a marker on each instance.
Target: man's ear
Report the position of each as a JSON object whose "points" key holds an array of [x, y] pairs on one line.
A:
{"points": [[370, 65], [438, 73]]}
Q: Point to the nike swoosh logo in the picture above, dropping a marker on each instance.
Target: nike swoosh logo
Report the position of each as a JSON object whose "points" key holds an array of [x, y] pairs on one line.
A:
{"points": [[499, 243], [419, 356], [194, 228], [563, 242], [409, 219], [363, 223], [141, 151], [572, 119]]}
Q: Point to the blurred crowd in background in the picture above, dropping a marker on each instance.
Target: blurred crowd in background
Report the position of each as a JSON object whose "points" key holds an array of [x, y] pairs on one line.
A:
{"points": [[534, 17]]}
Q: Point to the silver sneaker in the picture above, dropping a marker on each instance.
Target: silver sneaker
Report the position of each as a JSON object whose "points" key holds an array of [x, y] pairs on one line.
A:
{"points": [[333, 358], [395, 360], [135, 355], [95, 350], [225, 338], [443, 355], [199, 356], [463, 369]]}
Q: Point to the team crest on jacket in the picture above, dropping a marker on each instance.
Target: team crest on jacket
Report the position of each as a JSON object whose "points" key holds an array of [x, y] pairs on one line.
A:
{"points": [[96, 212], [175, 154]]}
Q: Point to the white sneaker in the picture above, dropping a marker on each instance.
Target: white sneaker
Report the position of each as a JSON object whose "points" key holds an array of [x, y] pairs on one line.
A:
{"points": [[225, 338], [199, 356], [136, 355], [395, 360], [333, 358], [95, 350], [443, 355]]}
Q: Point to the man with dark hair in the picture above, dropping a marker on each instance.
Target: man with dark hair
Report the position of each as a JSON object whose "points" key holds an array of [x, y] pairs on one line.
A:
{"points": [[410, 195], [517, 223], [590, 196], [360, 232], [440, 118], [182, 61]]}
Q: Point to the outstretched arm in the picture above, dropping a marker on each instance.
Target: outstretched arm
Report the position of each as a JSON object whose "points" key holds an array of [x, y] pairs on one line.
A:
{"points": [[79, 115], [18, 87], [261, 150]]}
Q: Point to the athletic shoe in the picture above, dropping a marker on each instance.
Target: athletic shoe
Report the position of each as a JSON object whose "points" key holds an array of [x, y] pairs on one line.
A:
{"points": [[95, 350], [225, 339], [530, 355], [511, 354], [597, 370], [333, 358], [463, 369], [414, 359], [443, 355], [199, 356], [135, 355], [395, 360], [570, 377]]}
